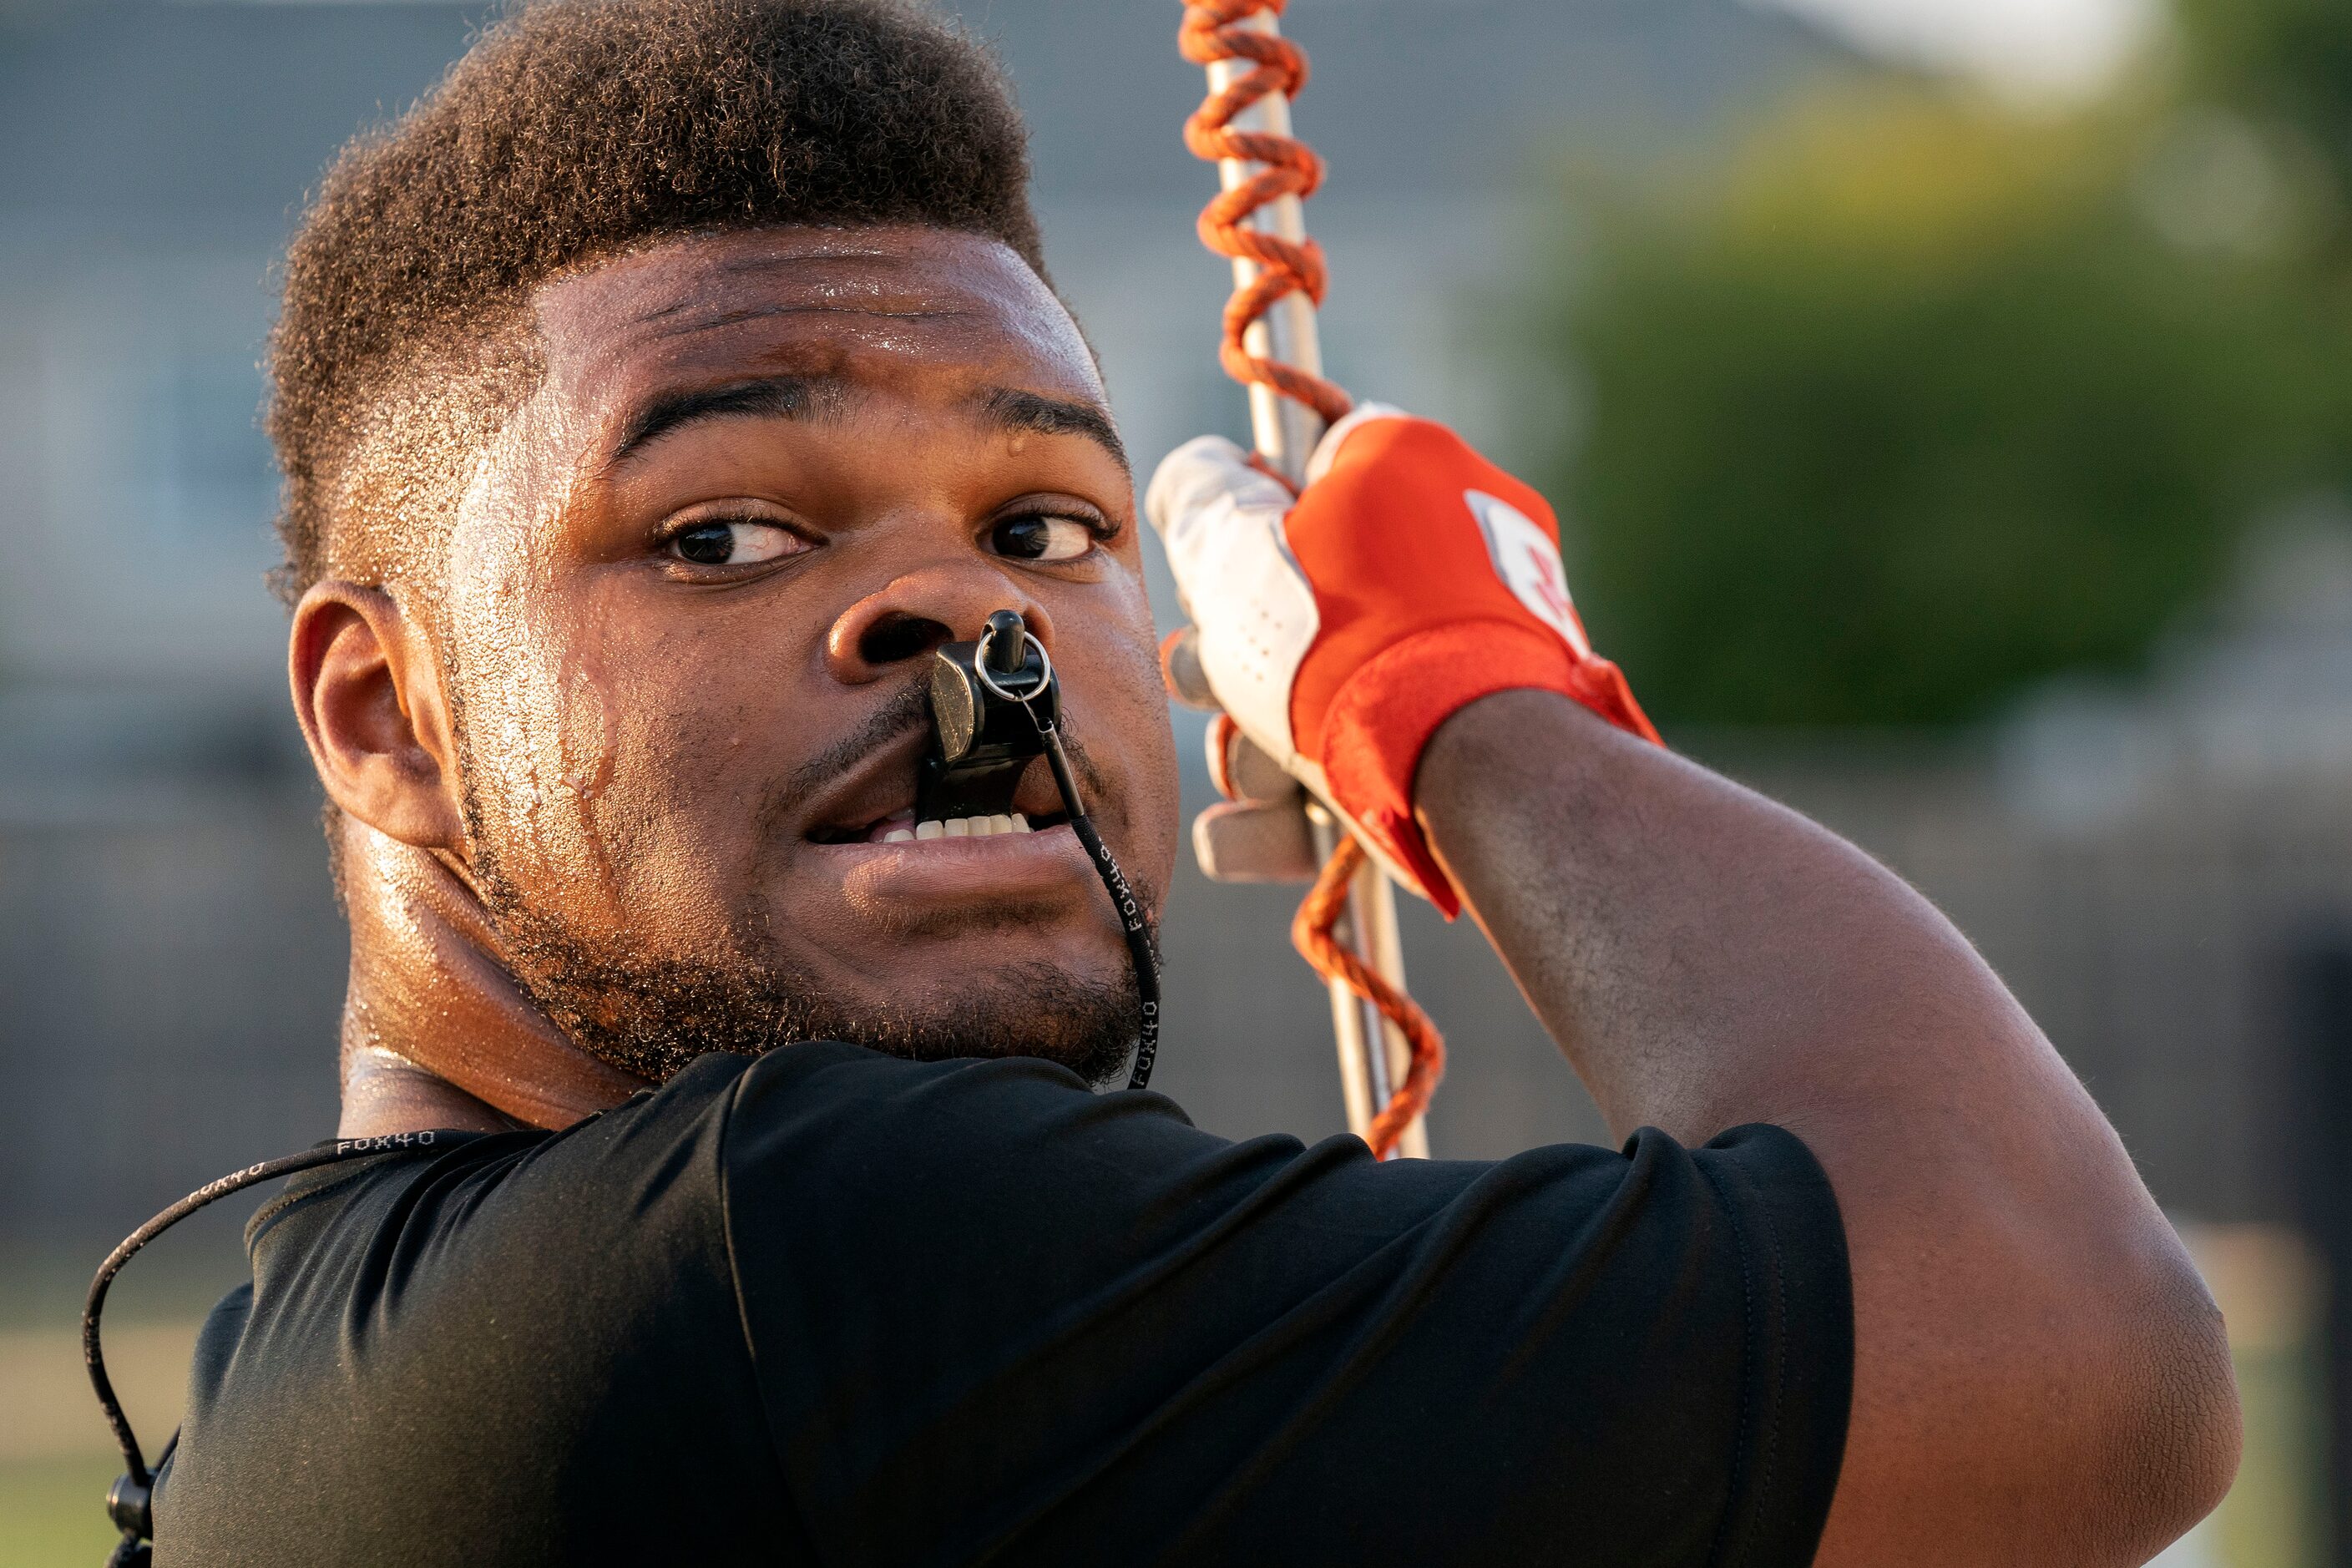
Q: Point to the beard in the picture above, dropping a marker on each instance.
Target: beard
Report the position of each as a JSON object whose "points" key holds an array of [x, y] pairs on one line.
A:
{"points": [[616, 998], [651, 1017]]}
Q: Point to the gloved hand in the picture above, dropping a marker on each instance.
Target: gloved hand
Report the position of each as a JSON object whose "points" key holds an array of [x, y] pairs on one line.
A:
{"points": [[1340, 628]]}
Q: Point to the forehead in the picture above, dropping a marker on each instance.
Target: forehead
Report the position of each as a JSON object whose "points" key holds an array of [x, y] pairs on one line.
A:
{"points": [[919, 312]]}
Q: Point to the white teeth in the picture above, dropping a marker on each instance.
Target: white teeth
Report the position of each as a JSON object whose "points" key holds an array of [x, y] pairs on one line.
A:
{"points": [[962, 827]]}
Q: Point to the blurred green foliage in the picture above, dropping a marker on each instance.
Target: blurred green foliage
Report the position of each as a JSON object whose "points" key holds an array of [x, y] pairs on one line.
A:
{"points": [[1914, 397], [2286, 62]]}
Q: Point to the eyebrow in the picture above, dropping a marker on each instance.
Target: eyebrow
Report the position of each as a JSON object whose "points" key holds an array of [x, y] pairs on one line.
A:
{"points": [[1010, 408], [800, 396], [773, 397]]}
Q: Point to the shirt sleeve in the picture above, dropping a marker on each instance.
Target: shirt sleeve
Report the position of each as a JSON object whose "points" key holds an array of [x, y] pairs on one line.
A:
{"points": [[995, 1317]]}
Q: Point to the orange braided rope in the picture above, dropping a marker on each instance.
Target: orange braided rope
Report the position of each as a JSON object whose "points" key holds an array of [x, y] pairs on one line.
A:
{"points": [[1287, 167], [1213, 31], [1310, 931]]}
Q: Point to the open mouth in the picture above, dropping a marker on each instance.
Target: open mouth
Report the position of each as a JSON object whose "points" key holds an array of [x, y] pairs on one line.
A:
{"points": [[883, 799]]}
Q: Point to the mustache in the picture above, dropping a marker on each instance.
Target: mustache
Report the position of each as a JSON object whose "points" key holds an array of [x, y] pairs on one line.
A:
{"points": [[903, 713]]}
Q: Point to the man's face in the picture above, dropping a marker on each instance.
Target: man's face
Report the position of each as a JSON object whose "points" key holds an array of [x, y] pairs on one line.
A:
{"points": [[690, 598]]}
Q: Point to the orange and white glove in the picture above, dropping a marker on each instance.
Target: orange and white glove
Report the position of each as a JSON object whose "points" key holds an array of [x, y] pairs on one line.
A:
{"points": [[1339, 628]]}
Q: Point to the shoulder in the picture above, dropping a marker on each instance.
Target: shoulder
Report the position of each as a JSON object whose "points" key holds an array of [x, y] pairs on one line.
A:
{"points": [[971, 1284], [528, 1343], [834, 1144], [848, 1142], [640, 1179]]}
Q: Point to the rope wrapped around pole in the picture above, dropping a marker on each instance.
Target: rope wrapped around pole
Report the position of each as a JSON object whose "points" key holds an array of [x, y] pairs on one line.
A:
{"points": [[1311, 934], [1243, 223], [1213, 31]]}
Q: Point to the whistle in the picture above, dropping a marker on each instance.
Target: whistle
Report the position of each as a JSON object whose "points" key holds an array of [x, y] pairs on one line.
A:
{"points": [[983, 737]]}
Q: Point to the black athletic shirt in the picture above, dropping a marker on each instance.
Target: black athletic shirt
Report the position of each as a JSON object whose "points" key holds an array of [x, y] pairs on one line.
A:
{"points": [[830, 1307]]}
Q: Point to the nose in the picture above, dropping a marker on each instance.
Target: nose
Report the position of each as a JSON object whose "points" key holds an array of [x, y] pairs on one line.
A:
{"points": [[917, 612]]}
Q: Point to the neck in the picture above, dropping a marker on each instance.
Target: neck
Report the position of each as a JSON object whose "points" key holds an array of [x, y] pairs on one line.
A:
{"points": [[436, 1031]]}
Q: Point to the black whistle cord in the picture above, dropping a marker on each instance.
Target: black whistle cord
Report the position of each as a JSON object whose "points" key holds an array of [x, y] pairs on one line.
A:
{"points": [[130, 1503], [1123, 901]]}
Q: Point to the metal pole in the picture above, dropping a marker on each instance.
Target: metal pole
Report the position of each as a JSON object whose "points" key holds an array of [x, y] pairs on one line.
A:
{"points": [[1373, 1054]]}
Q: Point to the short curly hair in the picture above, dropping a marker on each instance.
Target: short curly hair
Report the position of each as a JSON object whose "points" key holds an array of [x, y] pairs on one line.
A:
{"points": [[572, 132]]}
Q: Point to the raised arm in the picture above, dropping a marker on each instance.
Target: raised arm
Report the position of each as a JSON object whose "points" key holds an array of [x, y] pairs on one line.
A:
{"points": [[2040, 1376]]}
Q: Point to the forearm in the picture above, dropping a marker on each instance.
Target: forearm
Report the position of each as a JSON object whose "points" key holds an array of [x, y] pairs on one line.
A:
{"points": [[1704, 956], [1707, 959]]}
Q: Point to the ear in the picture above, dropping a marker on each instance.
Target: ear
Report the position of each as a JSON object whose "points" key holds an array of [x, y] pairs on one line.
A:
{"points": [[368, 693]]}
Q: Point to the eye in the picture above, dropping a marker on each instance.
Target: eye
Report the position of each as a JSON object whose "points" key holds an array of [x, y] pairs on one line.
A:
{"points": [[739, 542], [1041, 536]]}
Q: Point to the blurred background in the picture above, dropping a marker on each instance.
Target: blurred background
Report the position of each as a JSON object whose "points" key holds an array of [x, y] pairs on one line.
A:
{"points": [[1949, 402]]}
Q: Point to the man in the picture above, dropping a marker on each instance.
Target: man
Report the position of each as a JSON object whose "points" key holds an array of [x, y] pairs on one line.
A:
{"points": [[654, 399]]}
